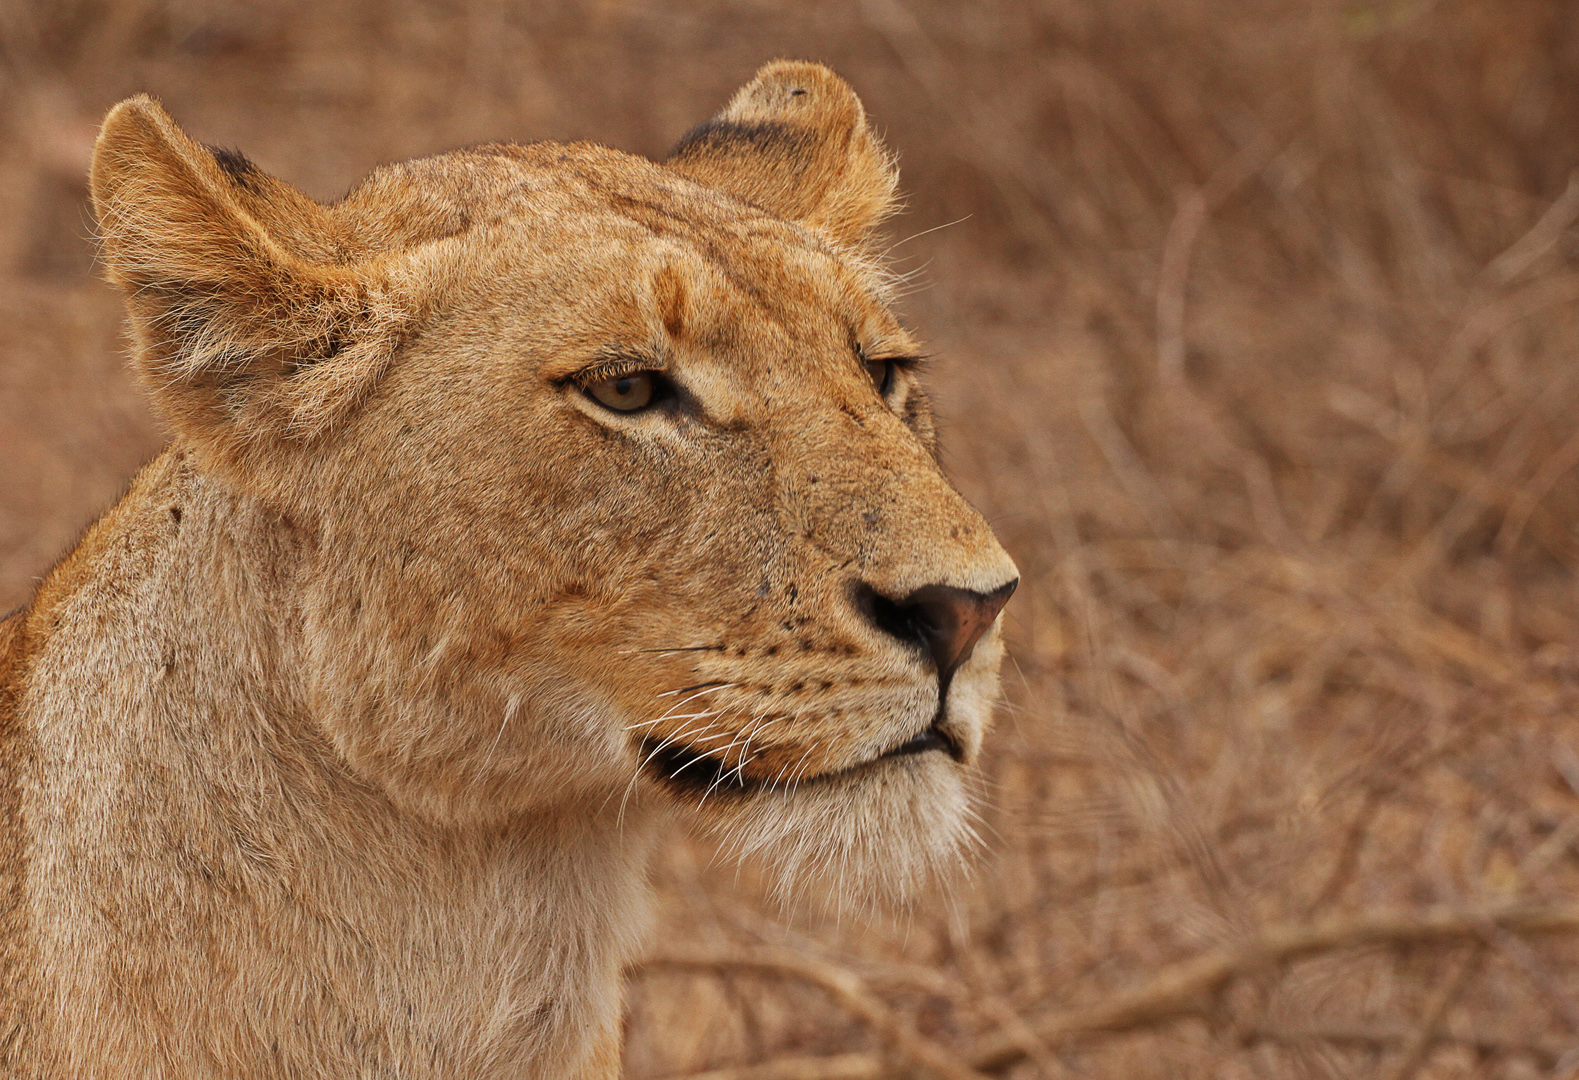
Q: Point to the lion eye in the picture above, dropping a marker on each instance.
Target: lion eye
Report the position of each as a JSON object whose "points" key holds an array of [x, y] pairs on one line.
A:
{"points": [[625, 393], [882, 373]]}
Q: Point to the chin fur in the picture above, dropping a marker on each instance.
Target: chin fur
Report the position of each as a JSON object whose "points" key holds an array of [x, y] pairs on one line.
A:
{"points": [[873, 839]]}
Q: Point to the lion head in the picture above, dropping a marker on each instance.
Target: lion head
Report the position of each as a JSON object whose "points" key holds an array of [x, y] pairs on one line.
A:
{"points": [[618, 478]]}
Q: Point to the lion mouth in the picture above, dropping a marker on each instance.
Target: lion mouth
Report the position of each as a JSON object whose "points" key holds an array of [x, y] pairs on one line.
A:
{"points": [[693, 771], [933, 738]]}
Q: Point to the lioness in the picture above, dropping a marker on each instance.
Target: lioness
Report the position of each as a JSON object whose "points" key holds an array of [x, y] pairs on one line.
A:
{"points": [[521, 494]]}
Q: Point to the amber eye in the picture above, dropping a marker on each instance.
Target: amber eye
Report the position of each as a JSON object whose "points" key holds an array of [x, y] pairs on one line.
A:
{"points": [[625, 393], [882, 373]]}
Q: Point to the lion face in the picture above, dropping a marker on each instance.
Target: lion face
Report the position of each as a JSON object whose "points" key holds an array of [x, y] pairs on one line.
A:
{"points": [[622, 482]]}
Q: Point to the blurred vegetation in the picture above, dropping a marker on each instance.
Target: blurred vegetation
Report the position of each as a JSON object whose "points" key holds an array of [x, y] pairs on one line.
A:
{"points": [[1257, 333]]}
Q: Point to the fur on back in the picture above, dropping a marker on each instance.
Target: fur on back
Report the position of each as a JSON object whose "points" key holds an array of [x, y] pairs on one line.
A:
{"points": [[337, 747]]}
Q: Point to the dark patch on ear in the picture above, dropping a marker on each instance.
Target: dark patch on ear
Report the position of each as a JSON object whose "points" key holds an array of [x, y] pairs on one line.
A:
{"points": [[729, 136], [234, 164]]}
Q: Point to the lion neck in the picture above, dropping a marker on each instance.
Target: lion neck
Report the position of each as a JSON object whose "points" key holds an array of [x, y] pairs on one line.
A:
{"points": [[268, 910]]}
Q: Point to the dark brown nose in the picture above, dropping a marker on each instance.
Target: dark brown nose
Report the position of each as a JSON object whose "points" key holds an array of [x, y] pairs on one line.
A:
{"points": [[944, 621]]}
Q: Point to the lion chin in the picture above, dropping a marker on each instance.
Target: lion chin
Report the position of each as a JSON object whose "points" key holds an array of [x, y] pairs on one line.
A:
{"points": [[515, 501], [873, 836], [852, 842]]}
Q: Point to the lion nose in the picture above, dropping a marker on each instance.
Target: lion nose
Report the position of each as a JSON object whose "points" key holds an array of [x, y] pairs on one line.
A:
{"points": [[944, 621]]}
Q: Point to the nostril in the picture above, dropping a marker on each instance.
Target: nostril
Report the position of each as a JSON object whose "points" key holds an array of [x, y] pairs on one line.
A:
{"points": [[942, 620], [896, 619]]}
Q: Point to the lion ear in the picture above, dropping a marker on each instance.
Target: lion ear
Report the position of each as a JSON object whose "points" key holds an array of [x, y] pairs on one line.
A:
{"points": [[795, 142], [246, 329]]}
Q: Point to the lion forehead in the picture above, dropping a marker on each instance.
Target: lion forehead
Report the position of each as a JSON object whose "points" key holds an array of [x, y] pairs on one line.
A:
{"points": [[568, 191]]}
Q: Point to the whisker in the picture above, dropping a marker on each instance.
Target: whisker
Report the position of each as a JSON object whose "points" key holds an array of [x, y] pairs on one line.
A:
{"points": [[668, 652], [925, 232], [714, 685], [630, 789], [695, 734], [799, 776], [738, 772], [676, 716], [683, 702], [744, 737], [692, 734]]}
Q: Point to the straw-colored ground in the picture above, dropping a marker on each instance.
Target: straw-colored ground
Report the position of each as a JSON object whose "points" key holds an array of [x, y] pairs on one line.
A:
{"points": [[1259, 335]]}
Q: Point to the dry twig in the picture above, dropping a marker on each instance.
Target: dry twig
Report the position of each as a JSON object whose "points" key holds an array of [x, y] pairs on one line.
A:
{"points": [[1418, 1045], [1544, 1052], [1178, 990], [857, 1066], [848, 988]]}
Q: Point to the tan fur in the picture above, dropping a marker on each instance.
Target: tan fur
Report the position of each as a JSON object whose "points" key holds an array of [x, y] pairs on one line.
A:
{"points": [[323, 754]]}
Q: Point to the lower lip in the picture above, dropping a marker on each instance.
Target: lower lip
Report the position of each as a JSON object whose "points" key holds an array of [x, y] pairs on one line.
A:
{"points": [[930, 739], [690, 770]]}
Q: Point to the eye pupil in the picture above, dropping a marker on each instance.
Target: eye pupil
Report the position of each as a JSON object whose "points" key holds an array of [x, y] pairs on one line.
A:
{"points": [[881, 372], [625, 393]]}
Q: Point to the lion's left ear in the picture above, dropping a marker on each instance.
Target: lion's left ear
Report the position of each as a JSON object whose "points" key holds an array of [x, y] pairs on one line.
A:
{"points": [[795, 142]]}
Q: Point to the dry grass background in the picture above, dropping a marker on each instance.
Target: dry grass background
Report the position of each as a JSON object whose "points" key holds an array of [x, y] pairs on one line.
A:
{"points": [[1258, 338]]}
